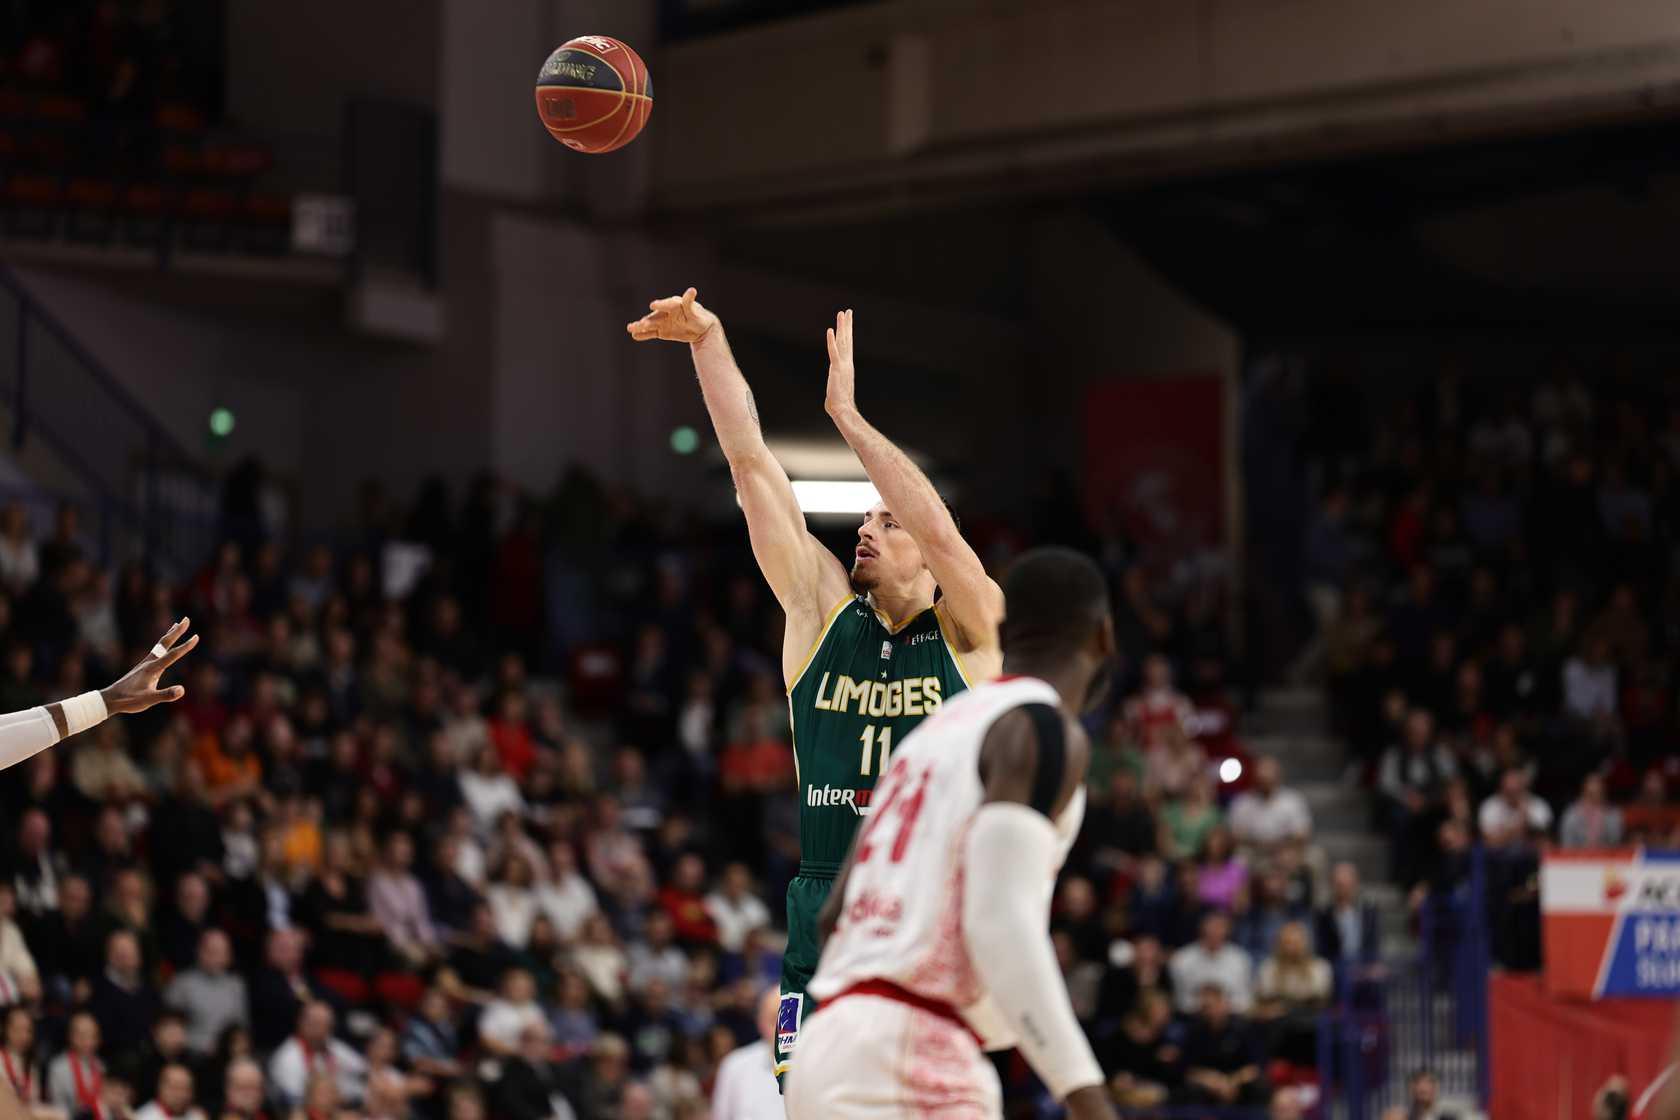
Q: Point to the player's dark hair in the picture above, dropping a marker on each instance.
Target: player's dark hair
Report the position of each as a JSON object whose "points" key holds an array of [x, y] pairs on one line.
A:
{"points": [[1054, 598]]}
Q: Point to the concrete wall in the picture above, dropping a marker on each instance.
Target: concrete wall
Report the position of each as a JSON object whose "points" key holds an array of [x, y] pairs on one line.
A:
{"points": [[293, 65], [1049, 90]]}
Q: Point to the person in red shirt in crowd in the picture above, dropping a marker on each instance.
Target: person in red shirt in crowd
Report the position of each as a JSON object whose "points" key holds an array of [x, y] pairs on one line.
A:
{"points": [[1159, 708], [511, 736], [684, 898]]}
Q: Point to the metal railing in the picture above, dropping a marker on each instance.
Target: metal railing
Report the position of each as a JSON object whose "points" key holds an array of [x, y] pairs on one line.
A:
{"points": [[149, 498], [1428, 1012]]}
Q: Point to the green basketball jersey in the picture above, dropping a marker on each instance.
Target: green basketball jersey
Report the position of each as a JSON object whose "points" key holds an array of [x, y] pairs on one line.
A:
{"points": [[863, 688]]}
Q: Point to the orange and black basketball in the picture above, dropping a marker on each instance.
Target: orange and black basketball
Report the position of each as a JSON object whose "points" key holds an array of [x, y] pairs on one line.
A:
{"points": [[594, 94]]}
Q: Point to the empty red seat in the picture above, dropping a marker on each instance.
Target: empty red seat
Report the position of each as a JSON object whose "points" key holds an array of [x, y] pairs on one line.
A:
{"points": [[237, 160], [52, 107], [93, 194], [176, 117], [208, 203], [145, 199], [35, 190], [182, 159]]}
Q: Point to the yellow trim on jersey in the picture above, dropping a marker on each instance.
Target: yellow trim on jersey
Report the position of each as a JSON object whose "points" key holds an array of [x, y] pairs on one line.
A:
{"points": [[945, 636], [888, 623], [793, 741], [781, 1068], [828, 624]]}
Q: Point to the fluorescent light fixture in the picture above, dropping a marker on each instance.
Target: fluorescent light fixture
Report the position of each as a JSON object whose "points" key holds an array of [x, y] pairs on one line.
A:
{"points": [[834, 497]]}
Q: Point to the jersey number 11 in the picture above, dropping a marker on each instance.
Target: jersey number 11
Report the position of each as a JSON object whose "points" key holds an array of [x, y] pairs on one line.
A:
{"points": [[869, 739]]}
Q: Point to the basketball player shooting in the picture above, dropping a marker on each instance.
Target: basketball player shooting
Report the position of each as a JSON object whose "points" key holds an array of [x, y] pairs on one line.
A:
{"points": [[867, 654], [25, 734], [940, 945]]}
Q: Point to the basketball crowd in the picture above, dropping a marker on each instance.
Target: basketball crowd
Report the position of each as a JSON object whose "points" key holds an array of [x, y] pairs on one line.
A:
{"points": [[504, 832], [1494, 568]]}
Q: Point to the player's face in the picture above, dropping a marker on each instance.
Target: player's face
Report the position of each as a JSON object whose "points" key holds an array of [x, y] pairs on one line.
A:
{"points": [[886, 556]]}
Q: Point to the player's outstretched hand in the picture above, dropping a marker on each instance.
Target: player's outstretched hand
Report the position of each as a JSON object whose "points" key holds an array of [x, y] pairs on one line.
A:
{"points": [[842, 374], [138, 689], [674, 319], [1090, 1103]]}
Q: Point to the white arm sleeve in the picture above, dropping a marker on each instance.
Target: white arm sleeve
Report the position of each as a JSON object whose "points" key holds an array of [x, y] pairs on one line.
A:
{"points": [[1010, 860], [25, 734]]}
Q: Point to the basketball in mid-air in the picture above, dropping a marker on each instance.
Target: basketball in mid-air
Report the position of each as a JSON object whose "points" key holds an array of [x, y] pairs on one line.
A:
{"points": [[594, 94]]}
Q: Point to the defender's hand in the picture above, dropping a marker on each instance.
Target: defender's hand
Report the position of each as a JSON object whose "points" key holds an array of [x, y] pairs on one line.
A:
{"points": [[674, 319], [842, 375], [138, 689]]}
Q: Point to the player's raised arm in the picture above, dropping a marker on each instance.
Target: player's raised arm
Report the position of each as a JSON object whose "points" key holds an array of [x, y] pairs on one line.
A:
{"points": [[806, 578], [27, 733], [1032, 760], [972, 599]]}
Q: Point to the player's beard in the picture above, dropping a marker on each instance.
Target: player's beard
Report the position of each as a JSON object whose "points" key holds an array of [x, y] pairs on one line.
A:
{"points": [[863, 583]]}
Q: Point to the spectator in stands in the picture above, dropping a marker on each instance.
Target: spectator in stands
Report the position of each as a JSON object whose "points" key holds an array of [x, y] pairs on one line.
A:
{"points": [[1256, 927], [399, 905], [1121, 830], [513, 900], [574, 1025], [431, 1042], [312, 1051], [243, 1096], [683, 899], [1412, 786], [1589, 688], [35, 866], [123, 1000], [1141, 1062], [745, 1086], [167, 1046], [507, 1016], [735, 909], [1222, 1056], [75, 1079], [1269, 813], [280, 991], [1591, 822], [1286, 1104], [1187, 821], [1221, 872], [20, 565], [530, 1081], [1292, 987], [20, 979], [602, 962], [1212, 960], [17, 1056], [174, 1099], [1348, 931], [1513, 814], [182, 927], [210, 996], [1158, 709], [102, 770], [656, 956]]}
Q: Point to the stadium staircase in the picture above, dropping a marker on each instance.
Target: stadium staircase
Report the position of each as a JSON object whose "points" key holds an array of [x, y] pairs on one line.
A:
{"points": [[1425, 1020], [75, 432]]}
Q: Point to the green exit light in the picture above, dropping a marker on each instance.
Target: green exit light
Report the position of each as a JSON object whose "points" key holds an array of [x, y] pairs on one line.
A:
{"points": [[221, 422], [685, 440]]}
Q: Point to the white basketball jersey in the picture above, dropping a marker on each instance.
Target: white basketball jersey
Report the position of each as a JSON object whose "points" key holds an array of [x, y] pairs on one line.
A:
{"points": [[901, 919]]}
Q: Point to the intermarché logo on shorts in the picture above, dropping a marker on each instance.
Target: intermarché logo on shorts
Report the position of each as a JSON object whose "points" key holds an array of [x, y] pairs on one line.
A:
{"points": [[827, 797]]}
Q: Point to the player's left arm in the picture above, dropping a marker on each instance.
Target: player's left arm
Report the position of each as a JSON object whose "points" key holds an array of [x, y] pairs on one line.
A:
{"points": [[973, 600], [1032, 761]]}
